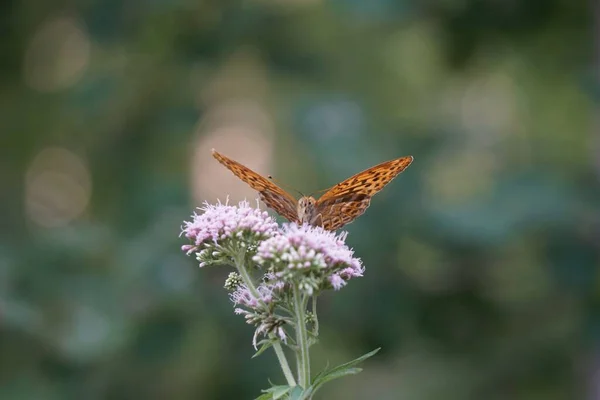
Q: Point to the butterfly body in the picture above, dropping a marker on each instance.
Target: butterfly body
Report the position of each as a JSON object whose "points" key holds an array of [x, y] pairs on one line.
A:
{"points": [[340, 205], [306, 210]]}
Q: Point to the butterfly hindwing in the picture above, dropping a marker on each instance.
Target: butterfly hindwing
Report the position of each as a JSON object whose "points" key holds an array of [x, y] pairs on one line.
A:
{"points": [[280, 203], [333, 214], [271, 194]]}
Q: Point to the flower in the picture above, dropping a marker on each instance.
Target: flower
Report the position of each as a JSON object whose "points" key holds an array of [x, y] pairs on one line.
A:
{"points": [[219, 227], [266, 324], [312, 256], [243, 296], [336, 281]]}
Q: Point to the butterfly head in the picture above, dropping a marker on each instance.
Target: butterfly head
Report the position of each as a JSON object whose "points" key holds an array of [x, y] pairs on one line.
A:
{"points": [[306, 208]]}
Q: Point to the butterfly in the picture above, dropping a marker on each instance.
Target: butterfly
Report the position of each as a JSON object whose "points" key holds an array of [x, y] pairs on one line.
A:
{"points": [[340, 205]]}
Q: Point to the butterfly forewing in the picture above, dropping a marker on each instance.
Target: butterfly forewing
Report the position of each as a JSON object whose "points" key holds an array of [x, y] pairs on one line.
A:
{"points": [[347, 200], [271, 194]]}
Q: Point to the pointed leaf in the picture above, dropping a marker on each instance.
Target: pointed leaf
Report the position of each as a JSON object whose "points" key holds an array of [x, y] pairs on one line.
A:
{"points": [[335, 375], [340, 371], [280, 391], [264, 347], [321, 373], [354, 362], [274, 393]]}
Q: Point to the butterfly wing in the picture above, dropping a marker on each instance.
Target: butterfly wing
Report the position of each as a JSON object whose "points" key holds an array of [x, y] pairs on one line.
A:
{"points": [[271, 194], [349, 199]]}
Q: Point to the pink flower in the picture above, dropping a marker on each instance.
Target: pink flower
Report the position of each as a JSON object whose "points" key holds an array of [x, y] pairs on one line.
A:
{"points": [[217, 223], [242, 296], [337, 282], [312, 254]]}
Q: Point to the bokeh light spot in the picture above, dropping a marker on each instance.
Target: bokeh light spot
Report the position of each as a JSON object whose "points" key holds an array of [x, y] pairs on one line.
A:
{"points": [[242, 130], [57, 55], [57, 188]]}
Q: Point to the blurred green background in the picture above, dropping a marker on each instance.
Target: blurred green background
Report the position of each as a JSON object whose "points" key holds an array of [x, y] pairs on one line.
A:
{"points": [[481, 258]]}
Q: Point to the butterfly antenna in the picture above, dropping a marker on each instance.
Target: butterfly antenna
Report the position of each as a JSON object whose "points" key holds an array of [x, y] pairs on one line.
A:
{"points": [[285, 186], [319, 191]]}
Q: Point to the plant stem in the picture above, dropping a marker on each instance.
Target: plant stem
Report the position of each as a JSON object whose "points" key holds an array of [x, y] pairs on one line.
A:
{"points": [[285, 367], [239, 264], [314, 310], [301, 338]]}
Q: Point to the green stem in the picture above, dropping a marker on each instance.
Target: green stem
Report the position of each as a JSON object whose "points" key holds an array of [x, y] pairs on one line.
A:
{"points": [[248, 281], [301, 339], [285, 367], [316, 323]]}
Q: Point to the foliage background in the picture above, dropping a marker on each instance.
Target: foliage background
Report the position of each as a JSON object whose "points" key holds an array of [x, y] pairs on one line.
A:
{"points": [[482, 258]]}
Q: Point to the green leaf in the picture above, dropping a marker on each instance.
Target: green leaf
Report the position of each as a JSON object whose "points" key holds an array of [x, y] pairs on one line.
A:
{"points": [[354, 362], [265, 396], [296, 392], [274, 393], [280, 391], [329, 376], [321, 373], [340, 371], [265, 346]]}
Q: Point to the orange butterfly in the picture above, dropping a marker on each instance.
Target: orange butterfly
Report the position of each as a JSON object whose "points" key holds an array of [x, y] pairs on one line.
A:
{"points": [[340, 205]]}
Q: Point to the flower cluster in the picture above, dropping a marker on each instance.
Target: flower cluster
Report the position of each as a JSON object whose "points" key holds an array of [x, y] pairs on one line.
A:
{"points": [[311, 256], [220, 227], [243, 296], [278, 274], [261, 308], [304, 257]]}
